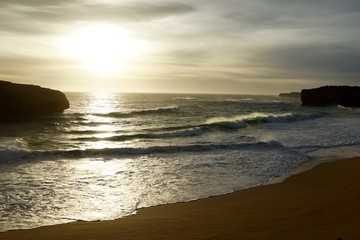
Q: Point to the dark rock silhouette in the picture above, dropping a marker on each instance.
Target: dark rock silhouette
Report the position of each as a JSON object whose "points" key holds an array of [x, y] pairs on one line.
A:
{"points": [[290, 95], [22, 100], [331, 95]]}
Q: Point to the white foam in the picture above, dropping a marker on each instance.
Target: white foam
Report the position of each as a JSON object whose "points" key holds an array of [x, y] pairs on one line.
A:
{"points": [[12, 148], [269, 116], [336, 152]]}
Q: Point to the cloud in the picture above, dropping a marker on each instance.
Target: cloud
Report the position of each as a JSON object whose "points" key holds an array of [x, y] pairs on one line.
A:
{"points": [[64, 10], [37, 17], [294, 15], [34, 3], [320, 5], [207, 44], [329, 63], [33, 69]]}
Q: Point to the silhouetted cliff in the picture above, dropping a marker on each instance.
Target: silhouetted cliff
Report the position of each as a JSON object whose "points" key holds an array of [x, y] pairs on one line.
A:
{"points": [[21, 100], [332, 95], [290, 95]]}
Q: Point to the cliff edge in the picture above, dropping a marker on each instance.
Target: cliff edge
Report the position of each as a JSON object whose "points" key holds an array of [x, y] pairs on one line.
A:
{"points": [[22, 100], [331, 95]]}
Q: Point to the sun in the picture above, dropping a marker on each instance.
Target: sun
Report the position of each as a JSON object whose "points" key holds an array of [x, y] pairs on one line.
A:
{"points": [[104, 49]]}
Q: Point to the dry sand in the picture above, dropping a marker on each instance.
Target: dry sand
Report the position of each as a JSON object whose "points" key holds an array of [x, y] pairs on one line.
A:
{"points": [[323, 203]]}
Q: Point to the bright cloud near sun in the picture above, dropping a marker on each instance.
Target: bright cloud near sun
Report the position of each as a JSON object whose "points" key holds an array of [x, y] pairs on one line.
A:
{"points": [[103, 48]]}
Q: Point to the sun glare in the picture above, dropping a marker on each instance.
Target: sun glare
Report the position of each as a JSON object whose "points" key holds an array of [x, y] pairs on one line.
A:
{"points": [[104, 49]]}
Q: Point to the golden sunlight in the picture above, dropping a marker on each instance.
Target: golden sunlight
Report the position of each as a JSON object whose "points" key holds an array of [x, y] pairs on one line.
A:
{"points": [[104, 48]]}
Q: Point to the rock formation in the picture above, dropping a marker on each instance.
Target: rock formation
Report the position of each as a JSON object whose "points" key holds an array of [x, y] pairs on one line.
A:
{"points": [[290, 95], [21, 100], [331, 95]]}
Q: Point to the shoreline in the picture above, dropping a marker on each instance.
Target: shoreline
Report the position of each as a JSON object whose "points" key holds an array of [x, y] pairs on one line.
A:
{"points": [[303, 167], [320, 203]]}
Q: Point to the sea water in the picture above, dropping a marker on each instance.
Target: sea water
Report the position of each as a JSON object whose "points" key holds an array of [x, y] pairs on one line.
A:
{"points": [[111, 154]]}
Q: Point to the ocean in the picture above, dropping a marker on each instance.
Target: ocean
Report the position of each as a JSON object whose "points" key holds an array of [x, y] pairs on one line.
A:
{"points": [[111, 153]]}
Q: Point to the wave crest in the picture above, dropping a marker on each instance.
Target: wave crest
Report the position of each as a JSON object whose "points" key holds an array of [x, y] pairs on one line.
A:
{"points": [[133, 151], [242, 121], [211, 125], [158, 110]]}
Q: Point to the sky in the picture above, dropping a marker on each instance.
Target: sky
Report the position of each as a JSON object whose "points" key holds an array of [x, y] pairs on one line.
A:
{"points": [[197, 46]]}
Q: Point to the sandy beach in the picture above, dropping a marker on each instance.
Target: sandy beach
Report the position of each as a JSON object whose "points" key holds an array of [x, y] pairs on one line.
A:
{"points": [[322, 203]]}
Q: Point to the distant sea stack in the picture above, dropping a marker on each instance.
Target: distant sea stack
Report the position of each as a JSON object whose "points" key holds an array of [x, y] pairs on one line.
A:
{"points": [[290, 95], [22, 100], [331, 95]]}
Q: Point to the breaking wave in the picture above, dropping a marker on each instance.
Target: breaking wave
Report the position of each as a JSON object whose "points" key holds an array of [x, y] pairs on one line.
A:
{"points": [[131, 151], [255, 119], [159, 110], [211, 125]]}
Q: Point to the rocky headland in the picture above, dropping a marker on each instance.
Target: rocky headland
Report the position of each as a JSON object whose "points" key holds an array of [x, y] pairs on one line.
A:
{"points": [[22, 100], [290, 95], [346, 96]]}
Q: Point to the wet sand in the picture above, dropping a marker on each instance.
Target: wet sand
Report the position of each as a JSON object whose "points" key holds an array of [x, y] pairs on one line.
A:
{"points": [[322, 203]]}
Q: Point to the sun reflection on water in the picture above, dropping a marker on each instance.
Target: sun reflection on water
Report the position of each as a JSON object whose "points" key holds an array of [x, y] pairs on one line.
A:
{"points": [[103, 102], [102, 187], [100, 122]]}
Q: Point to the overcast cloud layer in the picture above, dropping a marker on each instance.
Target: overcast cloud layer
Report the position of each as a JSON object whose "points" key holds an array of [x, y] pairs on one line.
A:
{"points": [[229, 46]]}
